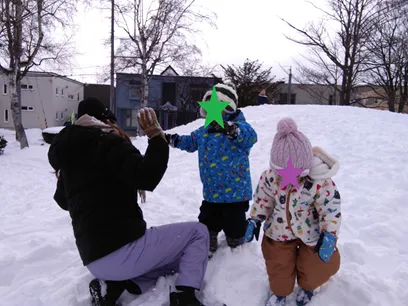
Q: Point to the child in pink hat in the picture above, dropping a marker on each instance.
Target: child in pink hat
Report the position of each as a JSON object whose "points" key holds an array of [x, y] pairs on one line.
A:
{"points": [[301, 222]]}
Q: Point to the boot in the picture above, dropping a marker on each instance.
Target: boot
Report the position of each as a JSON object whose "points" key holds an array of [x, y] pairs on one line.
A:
{"points": [[106, 293], [304, 297], [213, 241], [275, 300], [186, 298], [235, 242]]}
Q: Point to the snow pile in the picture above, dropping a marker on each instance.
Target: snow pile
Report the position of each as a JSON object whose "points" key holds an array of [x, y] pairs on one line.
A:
{"points": [[40, 265]]}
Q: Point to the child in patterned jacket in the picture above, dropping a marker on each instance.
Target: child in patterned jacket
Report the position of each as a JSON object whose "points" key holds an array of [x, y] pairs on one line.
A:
{"points": [[223, 155], [302, 224]]}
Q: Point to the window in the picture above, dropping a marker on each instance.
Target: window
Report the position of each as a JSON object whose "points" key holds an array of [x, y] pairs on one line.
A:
{"points": [[62, 116], [283, 98], [71, 97], [62, 92], [131, 118], [56, 116], [6, 116], [56, 91], [27, 108], [78, 96], [5, 89], [135, 92], [26, 87]]}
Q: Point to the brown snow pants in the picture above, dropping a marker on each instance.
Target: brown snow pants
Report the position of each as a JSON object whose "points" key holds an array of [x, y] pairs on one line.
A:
{"points": [[289, 261]]}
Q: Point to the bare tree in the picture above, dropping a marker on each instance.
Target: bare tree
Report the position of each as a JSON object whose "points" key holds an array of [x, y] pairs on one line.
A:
{"points": [[158, 35], [249, 79], [346, 50], [387, 56], [26, 27]]}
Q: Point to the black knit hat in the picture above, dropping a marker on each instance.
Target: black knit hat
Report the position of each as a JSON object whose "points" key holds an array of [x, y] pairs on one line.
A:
{"points": [[95, 108]]}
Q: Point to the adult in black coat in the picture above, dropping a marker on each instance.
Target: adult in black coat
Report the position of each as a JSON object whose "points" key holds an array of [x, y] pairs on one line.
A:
{"points": [[99, 173]]}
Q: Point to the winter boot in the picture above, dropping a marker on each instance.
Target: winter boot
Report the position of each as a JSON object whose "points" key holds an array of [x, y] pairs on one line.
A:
{"points": [[304, 297], [106, 293], [213, 242], [235, 242], [275, 300], [184, 298]]}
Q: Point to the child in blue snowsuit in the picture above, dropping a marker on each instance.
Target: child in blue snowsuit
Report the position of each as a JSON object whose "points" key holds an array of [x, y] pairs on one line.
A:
{"points": [[223, 155]]}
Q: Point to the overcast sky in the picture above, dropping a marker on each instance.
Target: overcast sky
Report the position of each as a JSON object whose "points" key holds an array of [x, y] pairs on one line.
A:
{"points": [[246, 29]]}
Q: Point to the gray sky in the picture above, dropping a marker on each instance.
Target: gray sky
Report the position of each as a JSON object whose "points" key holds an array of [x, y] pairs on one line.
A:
{"points": [[251, 31]]}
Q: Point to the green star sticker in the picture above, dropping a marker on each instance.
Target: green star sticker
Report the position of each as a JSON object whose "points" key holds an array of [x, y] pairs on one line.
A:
{"points": [[214, 109]]}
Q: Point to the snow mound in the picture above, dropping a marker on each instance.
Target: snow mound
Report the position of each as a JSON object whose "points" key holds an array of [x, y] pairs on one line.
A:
{"points": [[40, 265]]}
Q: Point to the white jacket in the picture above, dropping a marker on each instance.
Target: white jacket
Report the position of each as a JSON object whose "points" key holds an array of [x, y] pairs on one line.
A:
{"points": [[300, 213]]}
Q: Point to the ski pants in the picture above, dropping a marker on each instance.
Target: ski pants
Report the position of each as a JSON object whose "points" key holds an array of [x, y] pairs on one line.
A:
{"points": [[174, 248], [293, 260]]}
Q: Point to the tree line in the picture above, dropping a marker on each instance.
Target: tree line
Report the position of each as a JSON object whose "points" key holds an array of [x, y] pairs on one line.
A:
{"points": [[368, 45]]}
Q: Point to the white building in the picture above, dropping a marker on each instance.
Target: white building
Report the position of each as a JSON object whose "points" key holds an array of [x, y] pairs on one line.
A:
{"points": [[47, 100]]}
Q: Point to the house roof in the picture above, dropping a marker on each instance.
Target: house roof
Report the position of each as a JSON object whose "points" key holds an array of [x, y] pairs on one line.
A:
{"points": [[169, 71], [177, 76], [51, 74]]}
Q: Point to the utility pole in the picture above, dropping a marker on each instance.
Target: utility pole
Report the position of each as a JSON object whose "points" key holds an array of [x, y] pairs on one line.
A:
{"points": [[112, 68], [289, 98]]}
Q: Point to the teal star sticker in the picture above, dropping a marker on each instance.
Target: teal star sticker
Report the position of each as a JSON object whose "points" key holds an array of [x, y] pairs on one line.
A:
{"points": [[214, 109]]}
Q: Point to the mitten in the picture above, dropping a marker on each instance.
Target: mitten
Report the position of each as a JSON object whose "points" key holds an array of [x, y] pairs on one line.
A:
{"points": [[253, 229], [171, 139], [230, 129], [148, 123], [325, 246]]}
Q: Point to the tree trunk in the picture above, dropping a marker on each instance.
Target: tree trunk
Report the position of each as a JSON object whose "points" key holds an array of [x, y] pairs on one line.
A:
{"points": [[391, 101], [15, 107], [403, 92]]}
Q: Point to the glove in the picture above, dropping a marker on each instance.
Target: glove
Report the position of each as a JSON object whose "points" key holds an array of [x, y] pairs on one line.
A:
{"points": [[171, 139], [253, 229], [148, 123], [230, 129], [325, 246]]}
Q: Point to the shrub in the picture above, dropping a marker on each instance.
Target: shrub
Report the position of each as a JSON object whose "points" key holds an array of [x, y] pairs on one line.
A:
{"points": [[3, 144]]}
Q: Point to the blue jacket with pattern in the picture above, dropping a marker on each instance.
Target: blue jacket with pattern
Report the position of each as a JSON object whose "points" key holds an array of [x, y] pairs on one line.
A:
{"points": [[223, 162]]}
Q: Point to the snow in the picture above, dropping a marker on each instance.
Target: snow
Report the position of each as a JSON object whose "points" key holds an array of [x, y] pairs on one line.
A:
{"points": [[53, 130], [40, 265]]}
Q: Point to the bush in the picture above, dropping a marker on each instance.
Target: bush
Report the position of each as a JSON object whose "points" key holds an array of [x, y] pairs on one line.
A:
{"points": [[3, 144]]}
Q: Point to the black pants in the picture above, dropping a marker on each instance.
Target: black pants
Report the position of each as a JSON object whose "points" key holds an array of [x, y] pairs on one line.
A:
{"points": [[227, 217]]}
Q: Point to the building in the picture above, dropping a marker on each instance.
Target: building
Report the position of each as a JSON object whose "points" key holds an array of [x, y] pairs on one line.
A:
{"points": [[305, 94], [99, 91], [167, 88], [47, 100]]}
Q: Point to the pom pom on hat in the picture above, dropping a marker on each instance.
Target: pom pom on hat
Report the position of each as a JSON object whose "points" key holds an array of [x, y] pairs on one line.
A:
{"points": [[287, 126]]}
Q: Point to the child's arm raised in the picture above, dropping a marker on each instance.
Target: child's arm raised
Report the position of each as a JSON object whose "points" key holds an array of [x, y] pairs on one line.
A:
{"points": [[184, 142], [328, 206], [241, 133]]}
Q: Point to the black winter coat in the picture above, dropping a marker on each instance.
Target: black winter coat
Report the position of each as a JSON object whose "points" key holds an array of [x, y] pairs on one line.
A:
{"points": [[100, 175]]}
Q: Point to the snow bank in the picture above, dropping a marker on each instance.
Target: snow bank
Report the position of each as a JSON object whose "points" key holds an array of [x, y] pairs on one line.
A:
{"points": [[40, 265]]}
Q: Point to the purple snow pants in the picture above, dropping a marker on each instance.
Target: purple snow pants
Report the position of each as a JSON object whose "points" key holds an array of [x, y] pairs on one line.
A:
{"points": [[174, 248]]}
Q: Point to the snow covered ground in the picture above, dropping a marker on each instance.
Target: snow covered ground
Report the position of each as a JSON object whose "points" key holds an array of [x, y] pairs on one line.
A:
{"points": [[40, 266]]}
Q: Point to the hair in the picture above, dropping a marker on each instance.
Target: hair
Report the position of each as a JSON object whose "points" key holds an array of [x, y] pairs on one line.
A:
{"points": [[121, 132]]}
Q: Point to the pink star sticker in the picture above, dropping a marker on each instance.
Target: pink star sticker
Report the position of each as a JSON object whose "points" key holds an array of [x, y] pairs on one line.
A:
{"points": [[290, 174]]}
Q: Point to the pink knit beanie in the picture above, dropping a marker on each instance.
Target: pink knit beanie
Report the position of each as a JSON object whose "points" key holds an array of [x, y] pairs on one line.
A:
{"points": [[289, 142]]}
